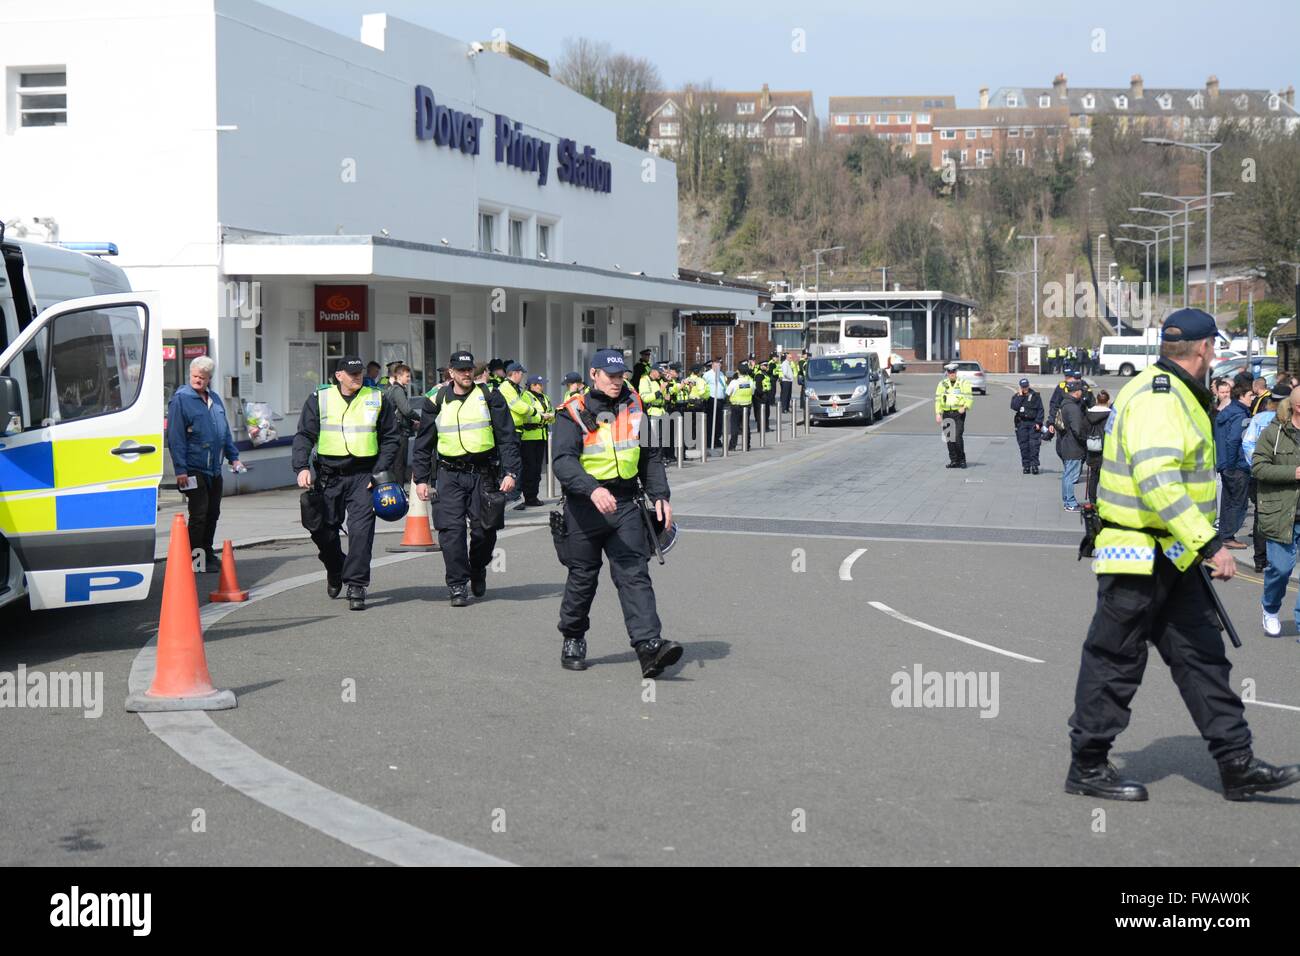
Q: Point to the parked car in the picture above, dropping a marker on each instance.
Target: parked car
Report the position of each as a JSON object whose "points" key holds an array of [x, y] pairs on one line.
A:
{"points": [[975, 373], [849, 387], [1260, 366], [897, 363]]}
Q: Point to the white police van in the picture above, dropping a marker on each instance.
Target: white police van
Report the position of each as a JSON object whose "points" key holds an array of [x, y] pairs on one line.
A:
{"points": [[81, 428]]}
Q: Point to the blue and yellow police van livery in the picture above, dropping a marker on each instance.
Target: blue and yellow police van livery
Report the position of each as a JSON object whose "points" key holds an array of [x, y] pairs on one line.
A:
{"points": [[81, 422]]}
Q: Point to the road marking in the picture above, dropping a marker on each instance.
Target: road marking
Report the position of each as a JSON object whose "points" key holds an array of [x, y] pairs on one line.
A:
{"points": [[956, 637], [846, 566], [1265, 703], [868, 537], [195, 737]]}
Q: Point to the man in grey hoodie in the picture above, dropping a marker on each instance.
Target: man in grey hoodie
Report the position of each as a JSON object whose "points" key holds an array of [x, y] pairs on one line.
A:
{"points": [[1071, 442]]}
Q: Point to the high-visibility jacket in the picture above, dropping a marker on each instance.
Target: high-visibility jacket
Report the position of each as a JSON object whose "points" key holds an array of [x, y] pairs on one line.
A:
{"points": [[521, 409], [697, 390], [535, 429], [952, 396], [609, 449], [743, 393], [652, 395], [1157, 472], [349, 428], [464, 422]]}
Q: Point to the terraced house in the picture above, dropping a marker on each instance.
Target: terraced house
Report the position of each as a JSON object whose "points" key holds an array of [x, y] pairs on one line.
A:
{"points": [[768, 121]]}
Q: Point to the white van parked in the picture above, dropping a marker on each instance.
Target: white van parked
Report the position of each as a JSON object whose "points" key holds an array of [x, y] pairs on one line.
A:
{"points": [[81, 414]]}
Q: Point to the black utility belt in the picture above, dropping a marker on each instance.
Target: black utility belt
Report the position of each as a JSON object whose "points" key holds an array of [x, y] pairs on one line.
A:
{"points": [[461, 464], [623, 490]]}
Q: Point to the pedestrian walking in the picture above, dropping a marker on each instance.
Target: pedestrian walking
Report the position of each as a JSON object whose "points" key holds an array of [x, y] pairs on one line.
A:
{"points": [[1096, 418], [1275, 466], [1071, 442], [398, 395], [1027, 409], [1229, 424], [1156, 508], [952, 400], [198, 439]]}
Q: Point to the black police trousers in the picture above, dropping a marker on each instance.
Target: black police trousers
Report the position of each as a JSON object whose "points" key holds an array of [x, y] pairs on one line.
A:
{"points": [[1029, 443], [1173, 612], [533, 452], [348, 495], [459, 499], [622, 537], [955, 433]]}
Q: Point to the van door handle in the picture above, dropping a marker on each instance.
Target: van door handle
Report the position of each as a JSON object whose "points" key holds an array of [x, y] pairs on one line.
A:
{"points": [[131, 448]]}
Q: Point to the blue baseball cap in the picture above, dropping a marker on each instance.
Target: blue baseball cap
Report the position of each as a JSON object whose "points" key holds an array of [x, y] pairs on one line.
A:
{"points": [[572, 378], [1188, 325], [536, 380], [1024, 383], [515, 367], [610, 361]]}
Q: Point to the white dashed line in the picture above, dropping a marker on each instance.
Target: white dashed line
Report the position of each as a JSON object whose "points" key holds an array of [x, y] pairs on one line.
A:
{"points": [[1265, 703], [956, 637], [846, 566]]}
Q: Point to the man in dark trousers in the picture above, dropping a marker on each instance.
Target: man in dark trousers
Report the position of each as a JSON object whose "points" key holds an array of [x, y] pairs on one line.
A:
{"points": [[407, 419], [604, 466], [467, 438], [354, 435], [641, 369], [1027, 405]]}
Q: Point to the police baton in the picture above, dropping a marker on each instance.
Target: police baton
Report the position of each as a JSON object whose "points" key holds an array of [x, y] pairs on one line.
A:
{"points": [[649, 527], [1224, 621]]}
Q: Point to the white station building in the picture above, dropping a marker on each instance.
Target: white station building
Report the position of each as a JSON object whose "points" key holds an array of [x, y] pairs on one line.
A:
{"points": [[297, 195]]}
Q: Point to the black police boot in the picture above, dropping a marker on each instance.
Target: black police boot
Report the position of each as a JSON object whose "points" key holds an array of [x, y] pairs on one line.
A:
{"points": [[356, 598], [333, 585], [212, 563], [1026, 471], [519, 507], [952, 464], [574, 655], [478, 583], [1033, 469], [458, 597], [656, 654], [534, 503], [1247, 774], [1103, 781]]}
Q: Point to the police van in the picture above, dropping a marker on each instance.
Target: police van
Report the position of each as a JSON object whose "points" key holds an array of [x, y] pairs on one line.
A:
{"points": [[81, 453]]}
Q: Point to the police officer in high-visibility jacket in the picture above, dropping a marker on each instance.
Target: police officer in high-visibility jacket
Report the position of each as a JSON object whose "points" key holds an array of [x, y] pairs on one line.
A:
{"points": [[354, 435], [466, 446], [654, 396], [522, 410], [740, 396], [1156, 505], [532, 441], [952, 400], [603, 465]]}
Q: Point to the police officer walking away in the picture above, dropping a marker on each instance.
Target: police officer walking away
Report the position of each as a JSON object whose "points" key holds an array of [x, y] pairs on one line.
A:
{"points": [[603, 467], [355, 435], [1027, 405], [466, 435], [952, 399], [1156, 505]]}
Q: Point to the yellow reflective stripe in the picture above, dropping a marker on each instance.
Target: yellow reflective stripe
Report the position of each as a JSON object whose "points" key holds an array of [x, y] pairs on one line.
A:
{"points": [[1146, 454], [84, 461], [19, 516]]}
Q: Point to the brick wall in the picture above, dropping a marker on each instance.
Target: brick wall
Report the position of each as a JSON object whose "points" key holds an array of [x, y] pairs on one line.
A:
{"points": [[696, 351]]}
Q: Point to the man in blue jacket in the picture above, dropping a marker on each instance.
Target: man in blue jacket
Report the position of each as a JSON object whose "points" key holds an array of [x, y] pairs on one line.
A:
{"points": [[1228, 427], [198, 437]]}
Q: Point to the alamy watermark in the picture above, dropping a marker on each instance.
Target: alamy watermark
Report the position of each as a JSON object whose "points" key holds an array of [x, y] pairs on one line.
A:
{"points": [[57, 689], [922, 688]]}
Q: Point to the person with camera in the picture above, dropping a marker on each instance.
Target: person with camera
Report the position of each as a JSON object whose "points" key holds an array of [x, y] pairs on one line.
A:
{"points": [[354, 435], [467, 437], [605, 468]]}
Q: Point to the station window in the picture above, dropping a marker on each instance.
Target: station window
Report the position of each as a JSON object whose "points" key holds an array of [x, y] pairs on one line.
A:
{"points": [[588, 326], [544, 241], [486, 225], [516, 237], [43, 97], [421, 305]]}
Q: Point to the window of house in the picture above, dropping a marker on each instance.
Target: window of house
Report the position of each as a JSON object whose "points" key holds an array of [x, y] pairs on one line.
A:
{"points": [[905, 117], [1013, 132], [669, 110], [986, 133], [841, 119], [516, 237], [1020, 157], [43, 98], [785, 111], [1274, 101], [965, 153], [1121, 102], [970, 134], [1166, 101], [1044, 101], [947, 134], [923, 139], [1196, 100], [755, 130], [744, 108], [486, 224], [544, 241], [1089, 102], [669, 129], [730, 128], [1029, 133], [785, 129], [904, 137], [863, 119], [923, 118], [882, 119], [1013, 100]]}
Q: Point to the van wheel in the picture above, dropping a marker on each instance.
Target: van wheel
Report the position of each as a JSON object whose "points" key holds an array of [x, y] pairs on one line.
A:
{"points": [[871, 412], [1126, 370]]}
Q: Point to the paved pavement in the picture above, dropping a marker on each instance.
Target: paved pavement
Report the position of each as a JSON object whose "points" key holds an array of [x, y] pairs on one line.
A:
{"points": [[812, 582]]}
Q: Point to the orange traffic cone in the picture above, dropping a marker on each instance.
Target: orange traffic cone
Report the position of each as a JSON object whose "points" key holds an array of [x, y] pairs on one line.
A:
{"points": [[180, 680], [228, 586], [416, 536]]}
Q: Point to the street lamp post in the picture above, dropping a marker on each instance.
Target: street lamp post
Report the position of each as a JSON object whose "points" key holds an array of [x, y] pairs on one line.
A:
{"points": [[1010, 272], [1096, 269], [1146, 244], [1170, 217], [1208, 149], [1186, 203], [1155, 230], [817, 279], [1035, 289]]}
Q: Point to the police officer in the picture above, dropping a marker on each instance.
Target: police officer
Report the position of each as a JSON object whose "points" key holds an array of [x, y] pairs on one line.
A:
{"points": [[466, 436], [952, 399], [532, 441], [572, 385], [1156, 504], [1027, 405], [496, 370], [603, 466], [740, 396], [355, 435], [641, 369]]}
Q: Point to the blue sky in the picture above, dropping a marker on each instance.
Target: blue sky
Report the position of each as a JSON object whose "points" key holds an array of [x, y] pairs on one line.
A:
{"points": [[937, 46]]}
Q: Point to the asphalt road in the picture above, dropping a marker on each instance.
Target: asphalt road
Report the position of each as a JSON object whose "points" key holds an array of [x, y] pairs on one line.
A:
{"points": [[783, 711]]}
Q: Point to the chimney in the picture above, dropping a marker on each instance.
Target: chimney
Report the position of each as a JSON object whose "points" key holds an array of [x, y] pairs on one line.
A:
{"points": [[1059, 88], [1289, 95], [1212, 88], [984, 97], [766, 99], [1135, 86]]}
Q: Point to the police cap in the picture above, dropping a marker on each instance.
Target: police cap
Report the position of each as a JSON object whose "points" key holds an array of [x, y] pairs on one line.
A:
{"points": [[609, 361], [350, 364], [461, 360], [572, 378], [1188, 325]]}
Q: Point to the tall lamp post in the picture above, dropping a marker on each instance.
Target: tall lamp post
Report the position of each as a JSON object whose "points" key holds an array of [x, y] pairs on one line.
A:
{"points": [[817, 279], [1155, 231], [1208, 149], [1096, 269], [1022, 272], [1186, 203], [1147, 244], [1169, 224], [1035, 289]]}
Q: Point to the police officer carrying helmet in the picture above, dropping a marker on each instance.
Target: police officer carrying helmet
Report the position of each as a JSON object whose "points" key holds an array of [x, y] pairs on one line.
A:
{"points": [[1156, 509], [952, 399], [603, 467], [355, 435], [466, 437], [1027, 405]]}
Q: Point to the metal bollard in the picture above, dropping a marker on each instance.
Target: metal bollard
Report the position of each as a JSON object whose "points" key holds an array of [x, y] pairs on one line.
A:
{"points": [[726, 430], [701, 435], [777, 406], [761, 419], [743, 444], [679, 434], [550, 467]]}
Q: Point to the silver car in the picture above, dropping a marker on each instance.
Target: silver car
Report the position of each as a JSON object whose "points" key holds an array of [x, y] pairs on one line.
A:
{"points": [[849, 388], [974, 373]]}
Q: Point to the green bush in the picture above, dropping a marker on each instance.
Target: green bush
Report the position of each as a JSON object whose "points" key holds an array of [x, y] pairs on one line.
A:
{"points": [[1267, 314]]}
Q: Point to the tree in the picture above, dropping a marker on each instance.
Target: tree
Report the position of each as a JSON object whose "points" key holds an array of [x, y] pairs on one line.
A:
{"points": [[621, 83]]}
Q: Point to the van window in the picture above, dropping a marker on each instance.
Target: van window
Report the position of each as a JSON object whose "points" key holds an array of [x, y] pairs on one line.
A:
{"points": [[854, 366], [95, 362], [864, 329]]}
